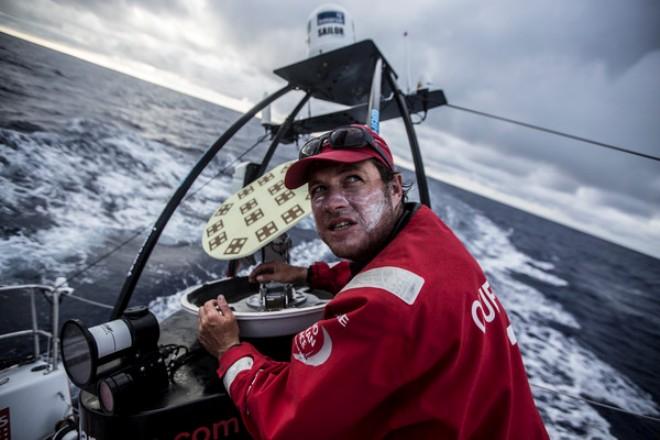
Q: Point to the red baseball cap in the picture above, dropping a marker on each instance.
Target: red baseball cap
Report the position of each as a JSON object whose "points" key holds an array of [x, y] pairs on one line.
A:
{"points": [[298, 173]]}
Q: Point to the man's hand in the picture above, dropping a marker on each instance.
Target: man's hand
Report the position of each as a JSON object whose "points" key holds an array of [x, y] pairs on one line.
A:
{"points": [[279, 272], [217, 327]]}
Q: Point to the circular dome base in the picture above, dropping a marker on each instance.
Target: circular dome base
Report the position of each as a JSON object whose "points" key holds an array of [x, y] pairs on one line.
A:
{"points": [[259, 324]]}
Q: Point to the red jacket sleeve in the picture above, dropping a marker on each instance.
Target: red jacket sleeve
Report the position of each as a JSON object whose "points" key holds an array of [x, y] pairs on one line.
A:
{"points": [[330, 278], [340, 372]]}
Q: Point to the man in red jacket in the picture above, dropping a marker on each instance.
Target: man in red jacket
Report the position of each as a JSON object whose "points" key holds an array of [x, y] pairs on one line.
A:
{"points": [[415, 344]]}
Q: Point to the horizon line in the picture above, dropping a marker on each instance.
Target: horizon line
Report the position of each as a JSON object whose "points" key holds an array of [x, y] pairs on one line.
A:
{"points": [[142, 71]]}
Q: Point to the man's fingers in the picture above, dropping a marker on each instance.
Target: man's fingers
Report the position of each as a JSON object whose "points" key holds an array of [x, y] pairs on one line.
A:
{"points": [[202, 311], [209, 307], [259, 271], [217, 327], [211, 313], [265, 277], [278, 271], [224, 307]]}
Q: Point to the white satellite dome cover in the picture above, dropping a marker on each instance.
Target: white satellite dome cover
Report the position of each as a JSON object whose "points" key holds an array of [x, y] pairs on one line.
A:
{"points": [[329, 27]]}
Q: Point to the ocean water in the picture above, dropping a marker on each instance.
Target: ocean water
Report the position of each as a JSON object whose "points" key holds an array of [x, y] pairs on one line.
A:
{"points": [[89, 157]]}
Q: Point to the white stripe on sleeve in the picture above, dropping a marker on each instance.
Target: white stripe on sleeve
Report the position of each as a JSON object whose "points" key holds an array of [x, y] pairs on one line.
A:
{"points": [[242, 364], [400, 282]]}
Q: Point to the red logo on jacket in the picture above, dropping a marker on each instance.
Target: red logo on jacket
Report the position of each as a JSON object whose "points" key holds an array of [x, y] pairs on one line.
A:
{"points": [[312, 346]]}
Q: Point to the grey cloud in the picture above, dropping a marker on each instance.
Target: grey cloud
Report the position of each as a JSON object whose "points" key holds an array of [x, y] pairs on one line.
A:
{"points": [[627, 204], [116, 9]]}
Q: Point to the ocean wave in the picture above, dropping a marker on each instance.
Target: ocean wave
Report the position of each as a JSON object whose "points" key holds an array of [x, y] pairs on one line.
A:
{"points": [[554, 360], [495, 250], [65, 193], [22, 126], [311, 251]]}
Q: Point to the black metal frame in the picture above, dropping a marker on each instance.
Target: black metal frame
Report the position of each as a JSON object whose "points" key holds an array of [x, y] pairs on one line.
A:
{"points": [[278, 136], [422, 184], [145, 252]]}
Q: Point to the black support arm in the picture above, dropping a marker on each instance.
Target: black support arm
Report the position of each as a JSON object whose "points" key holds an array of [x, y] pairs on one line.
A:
{"points": [[149, 244], [422, 184], [284, 128]]}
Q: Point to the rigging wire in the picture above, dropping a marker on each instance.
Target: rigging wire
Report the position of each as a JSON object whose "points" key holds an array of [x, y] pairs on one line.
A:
{"points": [[555, 132], [595, 402], [101, 258], [89, 301], [142, 230], [260, 140]]}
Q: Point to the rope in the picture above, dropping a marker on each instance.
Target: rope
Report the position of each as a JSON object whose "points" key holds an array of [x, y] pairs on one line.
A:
{"points": [[595, 402], [555, 132]]}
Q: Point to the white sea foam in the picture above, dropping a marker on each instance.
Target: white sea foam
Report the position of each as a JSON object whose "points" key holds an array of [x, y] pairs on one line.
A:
{"points": [[553, 359], [165, 306], [308, 252], [89, 197], [307, 223], [497, 253]]}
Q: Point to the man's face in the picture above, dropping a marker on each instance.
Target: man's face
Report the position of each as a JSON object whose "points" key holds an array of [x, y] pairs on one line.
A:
{"points": [[353, 209]]}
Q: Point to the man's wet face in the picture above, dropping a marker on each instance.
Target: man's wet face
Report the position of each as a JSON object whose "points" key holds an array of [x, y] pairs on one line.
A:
{"points": [[353, 209]]}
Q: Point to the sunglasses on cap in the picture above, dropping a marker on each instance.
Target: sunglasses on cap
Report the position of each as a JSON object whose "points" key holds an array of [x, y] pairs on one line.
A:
{"points": [[343, 138]]}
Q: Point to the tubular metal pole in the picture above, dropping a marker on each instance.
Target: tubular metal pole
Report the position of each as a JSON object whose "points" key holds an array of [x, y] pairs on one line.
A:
{"points": [[422, 184], [373, 111], [56, 329], [278, 136], [35, 325], [149, 244]]}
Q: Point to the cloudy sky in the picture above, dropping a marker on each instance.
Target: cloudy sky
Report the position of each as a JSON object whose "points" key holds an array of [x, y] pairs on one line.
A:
{"points": [[590, 68]]}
